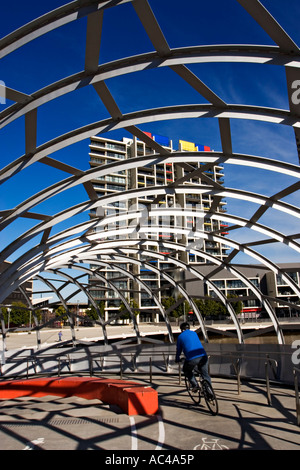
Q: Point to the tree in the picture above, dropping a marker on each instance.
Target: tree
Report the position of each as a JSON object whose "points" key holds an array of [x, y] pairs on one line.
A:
{"points": [[167, 302], [92, 312], [179, 311], [210, 307], [238, 305], [5, 315], [19, 314], [134, 307], [61, 313]]}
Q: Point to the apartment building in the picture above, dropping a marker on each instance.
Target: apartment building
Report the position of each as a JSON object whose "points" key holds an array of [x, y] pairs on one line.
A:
{"points": [[103, 151], [273, 287]]}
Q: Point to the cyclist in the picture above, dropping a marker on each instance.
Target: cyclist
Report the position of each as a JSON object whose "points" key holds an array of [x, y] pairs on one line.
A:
{"points": [[189, 343]]}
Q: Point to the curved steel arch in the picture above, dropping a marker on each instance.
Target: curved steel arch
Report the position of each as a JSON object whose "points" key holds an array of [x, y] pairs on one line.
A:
{"points": [[130, 120], [178, 286], [52, 20], [88, 205], [171, 281], [107, 250], [215, 157], [272, 266], [139, 281], [177, 57], [142, 284], [220, 239], [86, 292], [149, 266]]}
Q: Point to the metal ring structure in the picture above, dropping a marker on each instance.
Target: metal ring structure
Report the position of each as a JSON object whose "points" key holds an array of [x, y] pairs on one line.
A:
{"points": [[45, 248]]}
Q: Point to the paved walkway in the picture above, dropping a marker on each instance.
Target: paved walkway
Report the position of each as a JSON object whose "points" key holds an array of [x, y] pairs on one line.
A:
{"points": [[50, 336], [245, 422]]}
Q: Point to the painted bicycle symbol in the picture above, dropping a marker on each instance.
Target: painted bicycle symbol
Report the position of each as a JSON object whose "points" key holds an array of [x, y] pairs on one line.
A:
{"points": [[210, 444]]}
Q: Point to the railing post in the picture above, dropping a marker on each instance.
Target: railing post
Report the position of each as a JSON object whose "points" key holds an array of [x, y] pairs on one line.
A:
{"points": [[133, 360], [267, 363], [167, 361], [91, 365], [295, 370], [237, 368], [121, 371], [268, 383], [150, 367]]}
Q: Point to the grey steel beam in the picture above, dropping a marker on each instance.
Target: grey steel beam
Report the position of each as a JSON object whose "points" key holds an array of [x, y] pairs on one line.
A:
{"points": [[15, 95], [151, 26], [30, 131], [93, 38], [269, 24], [107, 99], [225, 134], [61, 166], [190, 78], [293, 86]]}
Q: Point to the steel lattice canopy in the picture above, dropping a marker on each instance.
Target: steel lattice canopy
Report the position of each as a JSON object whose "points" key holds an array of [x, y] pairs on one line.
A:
{"points": [[48, 238]]}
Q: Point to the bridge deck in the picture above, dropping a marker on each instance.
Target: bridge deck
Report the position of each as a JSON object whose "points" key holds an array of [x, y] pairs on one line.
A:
{"points": [[245, 421]]}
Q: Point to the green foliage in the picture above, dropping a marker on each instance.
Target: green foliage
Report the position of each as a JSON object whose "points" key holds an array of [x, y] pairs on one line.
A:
{"points": [[134, 306], [179, 311], [19, 314], [210, 307], [238, 305], [207, 306], [92, 312], [5, 314], [61, 313]]}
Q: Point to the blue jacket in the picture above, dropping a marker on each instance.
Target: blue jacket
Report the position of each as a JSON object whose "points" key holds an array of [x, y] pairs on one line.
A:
{"points": [[189, 343]]}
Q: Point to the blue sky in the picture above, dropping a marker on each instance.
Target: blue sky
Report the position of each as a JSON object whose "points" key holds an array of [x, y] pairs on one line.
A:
{"points": [[61, 53]]}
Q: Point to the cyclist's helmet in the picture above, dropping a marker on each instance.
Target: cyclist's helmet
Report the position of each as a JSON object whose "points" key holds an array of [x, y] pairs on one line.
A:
{"points": [[185, 326]]}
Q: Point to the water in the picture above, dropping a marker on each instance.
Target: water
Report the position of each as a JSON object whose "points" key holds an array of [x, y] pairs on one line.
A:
{"points": [[289, 338]]}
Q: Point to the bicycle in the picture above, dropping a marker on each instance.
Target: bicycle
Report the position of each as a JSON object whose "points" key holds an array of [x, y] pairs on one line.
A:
{"points": [[204, 389]]}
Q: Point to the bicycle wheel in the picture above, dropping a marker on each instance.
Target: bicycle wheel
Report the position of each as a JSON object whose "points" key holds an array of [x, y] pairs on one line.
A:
{"points": [[210, 397], [195, 396]]}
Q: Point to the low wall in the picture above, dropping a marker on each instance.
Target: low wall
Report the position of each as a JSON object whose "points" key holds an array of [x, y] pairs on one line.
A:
{"points": [[150, 359]]}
